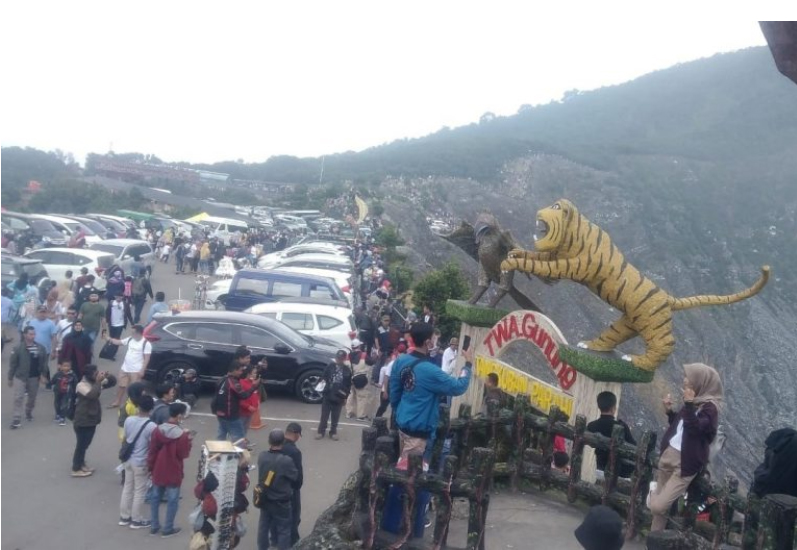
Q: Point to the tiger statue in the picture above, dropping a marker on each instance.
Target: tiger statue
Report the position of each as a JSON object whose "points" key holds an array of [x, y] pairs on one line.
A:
{"points": [[569, 246]]}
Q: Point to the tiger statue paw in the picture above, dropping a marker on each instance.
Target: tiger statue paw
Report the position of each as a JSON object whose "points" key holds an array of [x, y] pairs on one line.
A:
{"points": [[516, 253]]}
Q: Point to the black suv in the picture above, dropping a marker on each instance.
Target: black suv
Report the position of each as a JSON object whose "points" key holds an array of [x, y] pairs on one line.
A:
{"points": [[206, 341], [14, 266]]}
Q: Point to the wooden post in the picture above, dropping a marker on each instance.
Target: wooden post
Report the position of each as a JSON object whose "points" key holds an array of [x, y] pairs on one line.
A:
{"points": [[613, 465], [381, 426], [482, 470], [586, 391], [640, 483], [576, 458], [414, 471], [778, 515], [521, 439], [752, 514], [441, 432], [444, 505], [464, 454], [546, 443], [385, 457]]}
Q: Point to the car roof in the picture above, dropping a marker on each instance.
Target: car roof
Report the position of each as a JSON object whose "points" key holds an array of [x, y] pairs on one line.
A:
{"points": [[221, 316], [123, 242], [320, 272], [85, 251], [15, 258], [334, 258], [264, 273], [303, 307]]}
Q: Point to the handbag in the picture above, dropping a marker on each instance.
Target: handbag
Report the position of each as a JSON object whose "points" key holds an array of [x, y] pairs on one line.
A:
{"points": [[126, 451], [108, 351]]}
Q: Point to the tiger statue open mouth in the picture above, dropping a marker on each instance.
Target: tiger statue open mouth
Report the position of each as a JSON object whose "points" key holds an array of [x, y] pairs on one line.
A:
{"points": [[569, 246]]}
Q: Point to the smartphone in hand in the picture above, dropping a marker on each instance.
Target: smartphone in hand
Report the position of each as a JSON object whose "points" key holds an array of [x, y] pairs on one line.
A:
{"points": [[466, 343]]}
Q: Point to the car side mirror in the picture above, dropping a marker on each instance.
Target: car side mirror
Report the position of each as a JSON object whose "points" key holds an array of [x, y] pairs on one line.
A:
{"points": [[281, 348]]}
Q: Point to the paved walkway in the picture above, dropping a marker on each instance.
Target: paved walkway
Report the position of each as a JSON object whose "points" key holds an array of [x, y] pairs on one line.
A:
{"points": [[528, 521]]}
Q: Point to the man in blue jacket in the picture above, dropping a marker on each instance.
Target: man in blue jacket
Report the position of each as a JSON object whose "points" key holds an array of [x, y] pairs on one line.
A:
{"points": [[416, 385]]}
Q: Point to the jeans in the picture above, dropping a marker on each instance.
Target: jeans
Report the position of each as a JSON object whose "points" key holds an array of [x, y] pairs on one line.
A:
{"points": [[329, 409], [60, 403], [21, 387], [84, 436], [91, 334], [179, 263], [135, 489], [275, 516], [172, 501], [233, 428]]}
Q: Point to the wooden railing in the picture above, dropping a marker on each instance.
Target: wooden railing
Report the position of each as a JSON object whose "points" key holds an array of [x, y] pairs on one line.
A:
{"points": [[516, 446]]}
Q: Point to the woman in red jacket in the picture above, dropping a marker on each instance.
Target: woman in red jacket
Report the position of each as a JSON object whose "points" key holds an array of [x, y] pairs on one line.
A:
{"points": [[685, 446]]}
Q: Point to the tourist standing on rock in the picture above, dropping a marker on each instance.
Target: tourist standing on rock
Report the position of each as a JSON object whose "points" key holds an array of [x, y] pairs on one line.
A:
{"points": [[26, 370], [416, 386], [337, 386], [685, 445], [273, 493], [169, 447]]}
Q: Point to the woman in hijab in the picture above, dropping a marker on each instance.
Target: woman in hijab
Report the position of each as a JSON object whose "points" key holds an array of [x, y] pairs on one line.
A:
{"points": [[116, 284], [685, 446]]}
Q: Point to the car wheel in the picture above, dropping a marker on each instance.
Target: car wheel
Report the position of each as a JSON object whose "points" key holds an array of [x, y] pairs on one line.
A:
{"points": [[171, 373], [305, 386]]}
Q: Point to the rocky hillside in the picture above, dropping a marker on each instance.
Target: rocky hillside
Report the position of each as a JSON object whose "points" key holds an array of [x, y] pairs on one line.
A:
{"points": [[671, 239]]}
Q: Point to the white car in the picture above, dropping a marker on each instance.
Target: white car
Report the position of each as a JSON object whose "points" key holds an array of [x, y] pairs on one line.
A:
{"points": [[298, 250], [216, 290], [319, 261], [125, 250], [60, 260], [69, 227], [319, 321]]}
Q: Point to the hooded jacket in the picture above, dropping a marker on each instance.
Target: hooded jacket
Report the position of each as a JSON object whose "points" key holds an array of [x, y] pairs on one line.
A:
{"points": [[778, 472], [88, 411], [700, 428], [168, 448], [416, 397]]}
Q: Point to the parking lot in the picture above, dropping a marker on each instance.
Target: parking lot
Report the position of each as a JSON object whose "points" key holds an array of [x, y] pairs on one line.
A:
{"points": [[43, 507]]}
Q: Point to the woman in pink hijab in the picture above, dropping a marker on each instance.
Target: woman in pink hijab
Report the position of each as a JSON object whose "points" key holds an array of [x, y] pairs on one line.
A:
{"points": [[685, 445]]}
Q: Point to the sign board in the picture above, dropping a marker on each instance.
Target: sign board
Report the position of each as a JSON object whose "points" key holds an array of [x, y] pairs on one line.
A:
{"points": [[517, 382]]}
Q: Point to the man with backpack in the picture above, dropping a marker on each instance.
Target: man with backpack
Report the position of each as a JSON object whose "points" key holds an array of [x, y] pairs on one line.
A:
{"points": [[273, 493], [337, 386], [226, 404], [141, 288], [416, 386]]}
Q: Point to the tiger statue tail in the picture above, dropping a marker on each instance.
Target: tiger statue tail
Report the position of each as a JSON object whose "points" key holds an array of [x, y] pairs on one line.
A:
{"points": [[677, 304]]}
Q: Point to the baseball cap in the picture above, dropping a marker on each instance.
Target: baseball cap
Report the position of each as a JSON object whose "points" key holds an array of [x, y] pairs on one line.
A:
{"points": [[294, 428]]}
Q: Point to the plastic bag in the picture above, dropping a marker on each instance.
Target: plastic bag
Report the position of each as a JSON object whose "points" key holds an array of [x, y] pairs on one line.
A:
{"points": [[196, 518]]}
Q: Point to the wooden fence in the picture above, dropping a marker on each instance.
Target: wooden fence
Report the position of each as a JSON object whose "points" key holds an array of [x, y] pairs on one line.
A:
{"points": [[514, 446]]}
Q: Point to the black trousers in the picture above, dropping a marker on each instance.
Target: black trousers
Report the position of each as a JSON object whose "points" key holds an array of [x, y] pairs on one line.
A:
{"points": [[84, 436], [328, 409], [296, 519], [383, 404]]}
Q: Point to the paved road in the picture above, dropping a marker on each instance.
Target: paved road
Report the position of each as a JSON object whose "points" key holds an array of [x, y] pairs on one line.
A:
{"points": [[45, 508]]}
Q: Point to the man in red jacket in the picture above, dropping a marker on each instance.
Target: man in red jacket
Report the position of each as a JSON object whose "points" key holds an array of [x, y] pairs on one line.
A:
{"points": [[169, 447]]}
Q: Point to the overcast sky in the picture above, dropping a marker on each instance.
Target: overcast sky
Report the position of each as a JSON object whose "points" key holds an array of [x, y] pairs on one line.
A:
{"points": [[205, 82]]}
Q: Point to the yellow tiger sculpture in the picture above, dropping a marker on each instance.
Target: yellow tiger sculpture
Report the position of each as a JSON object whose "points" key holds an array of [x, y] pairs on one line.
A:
{"points": [[569, 246]]}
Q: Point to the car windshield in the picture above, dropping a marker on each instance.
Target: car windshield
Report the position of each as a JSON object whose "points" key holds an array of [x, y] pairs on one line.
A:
{"points": [[77, 226], [113, 249], [97, 227], [42, 226]]}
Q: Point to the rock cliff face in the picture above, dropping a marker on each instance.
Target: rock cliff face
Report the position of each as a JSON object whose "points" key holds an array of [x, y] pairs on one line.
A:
{"points": [[678, 229]]}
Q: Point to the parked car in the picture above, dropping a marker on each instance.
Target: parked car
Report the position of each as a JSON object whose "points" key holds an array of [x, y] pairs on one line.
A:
{"points": [[60, 260], [125, 250], [118, 229], [299, 249], [323, 261], [256, 286], [126, 222], [98, 228], [343, 280], [41, 230], [333, 323], [206, 341], [13, 266], [69, 227]]}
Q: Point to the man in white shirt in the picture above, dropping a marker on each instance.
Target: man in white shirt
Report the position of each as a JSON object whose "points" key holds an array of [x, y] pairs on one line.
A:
{"points": [[450, 356], [64, 327], [135, 363]]}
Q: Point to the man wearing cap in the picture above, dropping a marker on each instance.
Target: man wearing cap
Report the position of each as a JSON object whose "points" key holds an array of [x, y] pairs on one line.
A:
{"points": [[337, 386], [293, 433], [277, 475], [450, 356], [46, 337], [359, 402]]}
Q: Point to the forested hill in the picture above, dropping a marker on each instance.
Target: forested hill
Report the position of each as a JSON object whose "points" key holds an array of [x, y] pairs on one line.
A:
{"points": [[725, 108]]}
